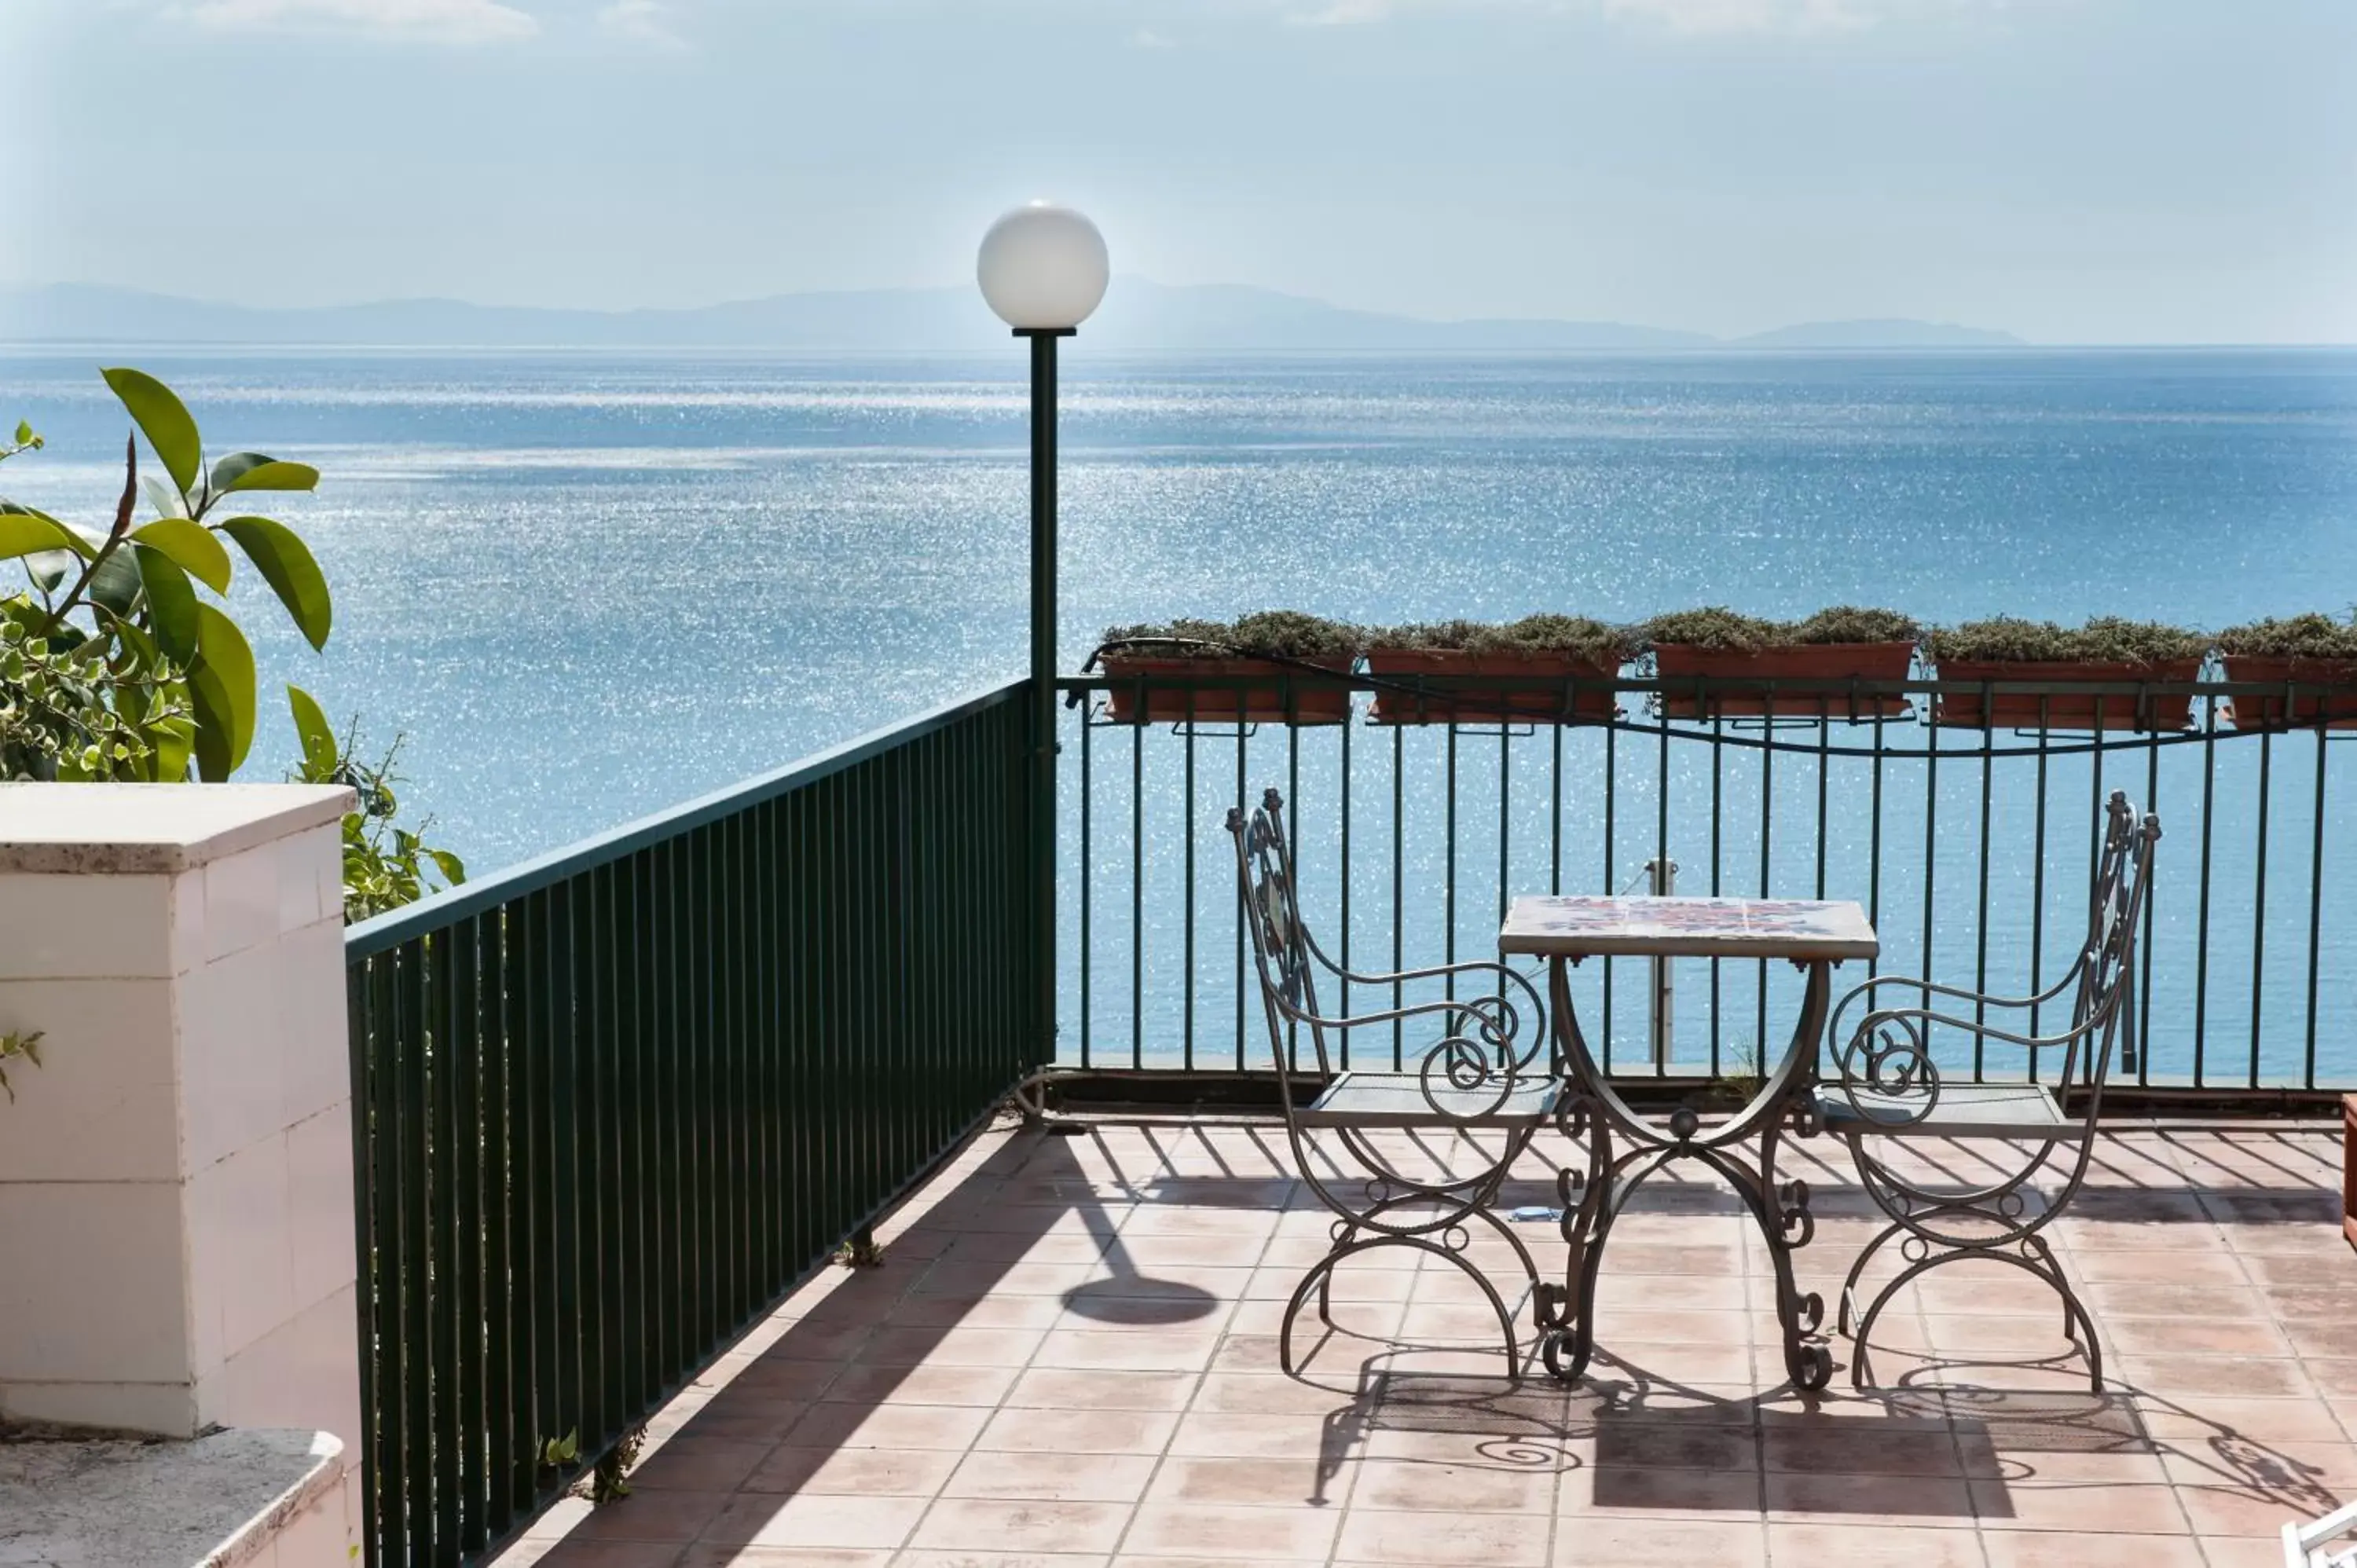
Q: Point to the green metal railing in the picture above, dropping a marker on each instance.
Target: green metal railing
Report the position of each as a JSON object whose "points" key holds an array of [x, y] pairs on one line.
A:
{"points": [[611, 1103], [1969, 846]]}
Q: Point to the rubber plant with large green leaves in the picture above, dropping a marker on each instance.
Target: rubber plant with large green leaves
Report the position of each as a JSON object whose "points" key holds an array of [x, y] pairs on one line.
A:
{"points": [[114, 666], [171, 672]]}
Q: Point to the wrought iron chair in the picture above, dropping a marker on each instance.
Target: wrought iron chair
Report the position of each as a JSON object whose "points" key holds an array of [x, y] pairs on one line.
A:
{"points": [[1890, 1089], [1480, 1083]]}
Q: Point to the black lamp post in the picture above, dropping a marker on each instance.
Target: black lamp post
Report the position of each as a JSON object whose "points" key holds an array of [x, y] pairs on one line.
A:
{"points": [[1043, 269]]}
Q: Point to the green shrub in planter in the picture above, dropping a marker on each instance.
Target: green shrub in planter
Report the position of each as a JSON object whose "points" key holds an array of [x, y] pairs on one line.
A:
{"points": [[2107, 648], [2308, 650], [1842, 644], [1270, 642], [1557, 665]]}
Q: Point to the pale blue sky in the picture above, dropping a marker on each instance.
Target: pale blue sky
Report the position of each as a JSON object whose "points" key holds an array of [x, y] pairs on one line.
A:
{"points": [[2073, 170]]}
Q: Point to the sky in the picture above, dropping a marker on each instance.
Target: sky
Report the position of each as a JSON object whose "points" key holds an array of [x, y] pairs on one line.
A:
{"points": [[2071, 170]]}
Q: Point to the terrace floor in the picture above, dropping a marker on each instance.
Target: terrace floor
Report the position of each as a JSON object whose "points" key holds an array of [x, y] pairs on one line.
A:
{"points": [[1068, 1358]]}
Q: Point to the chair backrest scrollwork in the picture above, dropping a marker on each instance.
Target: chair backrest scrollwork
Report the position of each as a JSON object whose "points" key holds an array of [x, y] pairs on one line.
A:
{"points": [[1281, 943], [2105, 1004]]}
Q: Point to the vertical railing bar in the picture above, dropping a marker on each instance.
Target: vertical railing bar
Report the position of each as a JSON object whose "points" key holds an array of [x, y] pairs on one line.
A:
{"points": [[1399, 905], [386, 1261], [1088, 849], [1717, 835], [2259, 902], [1448, 867], [1344, 866], [1186, 830], [2315, 899], [418, 1246], [1981, 914], [2201, 911], [1767, 833], [1137, 896], [2139, 1035], [2037, 864], [469, 1426], [1611, 807]]}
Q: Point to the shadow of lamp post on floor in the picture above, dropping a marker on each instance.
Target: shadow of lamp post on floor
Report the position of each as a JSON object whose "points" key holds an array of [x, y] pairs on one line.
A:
{"points": [[1043, 269]]}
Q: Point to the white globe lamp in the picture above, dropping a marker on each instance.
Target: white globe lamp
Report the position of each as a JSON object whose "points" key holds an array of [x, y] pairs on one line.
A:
{"points": [[1043, 268]]}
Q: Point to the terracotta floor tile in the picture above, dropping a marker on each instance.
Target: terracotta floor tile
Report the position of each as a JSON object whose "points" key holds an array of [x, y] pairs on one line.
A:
{"points": [[2199, 1335], [653, 1515], [1213, 1435], [1063, 1388], [813, 1520], [887, 1426], [1476, 1539], [1231, 1532], [956, 1346], [1872, 1546], [1663, 1493], [2166, 1266], [2189, 1378], [1186, 1350], [1052, 1477], [698, 1463], [1868, 1500], [2077, 1549], [980, 1311], [929, 1384], [1049, 1431], [1637, 1442], [1311, 1482], [1859, 1449], [1593, 1541], [581, 1554], [1407, 1485], [989, 1524], [854, 1472], [2093, 1507], [970, 1559]]}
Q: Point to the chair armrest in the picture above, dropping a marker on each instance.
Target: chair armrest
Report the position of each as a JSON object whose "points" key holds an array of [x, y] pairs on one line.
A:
{"points": [[1935, 988]]}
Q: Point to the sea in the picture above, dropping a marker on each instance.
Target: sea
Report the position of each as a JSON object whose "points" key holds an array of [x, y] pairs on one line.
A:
{"points": [[578, 587]]}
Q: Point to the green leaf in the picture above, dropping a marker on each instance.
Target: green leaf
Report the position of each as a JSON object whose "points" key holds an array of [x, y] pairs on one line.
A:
{"points": [[27, 532], [311, 727], [171, 604], [453, 869], [161, 497], [220, 686], [253, 471], [192, 548], [115, 585], [23, 433], [174, 739], [286, 562], [164, 419]]}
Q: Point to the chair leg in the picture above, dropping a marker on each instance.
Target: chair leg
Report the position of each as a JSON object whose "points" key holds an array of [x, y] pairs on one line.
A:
{"points": [[1321, 1271], [2036, 1259], [1847, 1312]]}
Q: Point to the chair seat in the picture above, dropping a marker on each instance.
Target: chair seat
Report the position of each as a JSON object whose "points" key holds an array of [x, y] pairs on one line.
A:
{"points": [[1963, 1111], [1398, 1099]]}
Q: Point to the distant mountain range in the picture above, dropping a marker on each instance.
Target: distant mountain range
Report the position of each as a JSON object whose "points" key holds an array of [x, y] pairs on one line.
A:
{"points": [[1137, 314]]}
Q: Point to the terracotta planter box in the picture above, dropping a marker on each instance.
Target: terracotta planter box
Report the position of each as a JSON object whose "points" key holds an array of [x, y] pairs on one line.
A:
{"points": [[1473, 704], [2074, 711], [1807, 661], [2338, 709], [1262, 704]]}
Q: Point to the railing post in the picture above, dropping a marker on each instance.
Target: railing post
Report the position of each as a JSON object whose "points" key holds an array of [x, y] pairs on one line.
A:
{"points": [[1664, 875]]}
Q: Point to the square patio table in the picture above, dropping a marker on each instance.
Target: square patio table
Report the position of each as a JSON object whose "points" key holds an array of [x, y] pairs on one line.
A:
{"points": [[1625, 1149]]}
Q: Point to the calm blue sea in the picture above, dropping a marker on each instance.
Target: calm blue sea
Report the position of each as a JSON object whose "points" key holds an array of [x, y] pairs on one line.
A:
{"points": [[585, 587]]}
